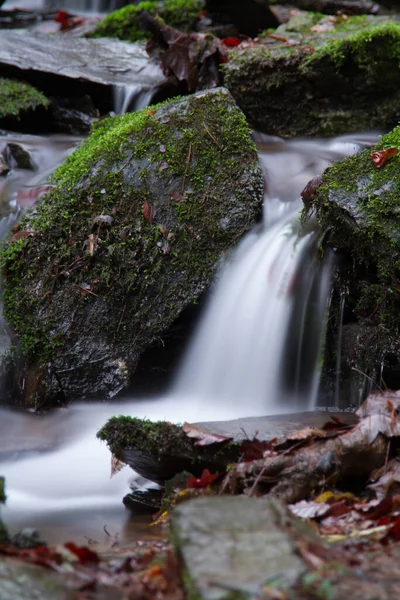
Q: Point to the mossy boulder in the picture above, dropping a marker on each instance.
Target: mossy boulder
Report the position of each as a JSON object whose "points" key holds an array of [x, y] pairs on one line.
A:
{"points": [[124, 25], [161, 450], [320, 76], [131, 234], [19, 100], [358, 206]]}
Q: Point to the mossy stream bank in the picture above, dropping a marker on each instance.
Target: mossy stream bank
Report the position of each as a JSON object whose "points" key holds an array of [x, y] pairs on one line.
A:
{"points": [[357, 205], [131, 234]]}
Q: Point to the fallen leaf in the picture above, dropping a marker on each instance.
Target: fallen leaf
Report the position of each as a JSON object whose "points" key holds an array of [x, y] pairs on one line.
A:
{"points": [[380, 157], [28, 198], [255, 449], [148, 211], [83, 553], [206, 479], [231, 42], [308, 509], [204, 438]]}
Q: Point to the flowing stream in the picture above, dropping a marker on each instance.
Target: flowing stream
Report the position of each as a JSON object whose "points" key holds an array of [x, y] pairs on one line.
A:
{"points": [[255, 353]]}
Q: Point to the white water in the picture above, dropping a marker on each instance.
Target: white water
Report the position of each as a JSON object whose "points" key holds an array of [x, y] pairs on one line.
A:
{"points": [[131, 98], [247, 359]]}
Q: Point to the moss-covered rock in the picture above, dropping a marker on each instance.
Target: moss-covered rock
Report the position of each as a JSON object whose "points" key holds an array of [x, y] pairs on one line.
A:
{"points": [[358, 205], [19, 99], [123, 23], [332, 75], [161, 450], [131, 234]]}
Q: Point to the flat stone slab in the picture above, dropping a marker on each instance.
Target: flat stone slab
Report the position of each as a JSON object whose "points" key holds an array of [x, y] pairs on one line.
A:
{"points": [[102, 61], [232, 546], [22, 581], [275, 426]]}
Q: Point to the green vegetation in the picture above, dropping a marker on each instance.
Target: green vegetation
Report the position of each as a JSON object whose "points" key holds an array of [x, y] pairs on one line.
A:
{"points": [[132, 231], [17, 98], [123, 23], [336, 75], [360, 205]]}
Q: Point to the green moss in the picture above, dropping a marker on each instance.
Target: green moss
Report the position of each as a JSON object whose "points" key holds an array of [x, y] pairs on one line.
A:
{"points": [[360, 205], [17, 98], [337, 76], [160, 440], [2, 490], [133, 229], [123, 23]]}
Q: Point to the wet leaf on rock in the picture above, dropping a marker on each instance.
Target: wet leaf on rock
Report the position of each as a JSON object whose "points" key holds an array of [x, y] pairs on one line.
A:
{"points": [[28, 198], [255, 449], [307, 509], [381, 157], [148, 211], [204, 438]]}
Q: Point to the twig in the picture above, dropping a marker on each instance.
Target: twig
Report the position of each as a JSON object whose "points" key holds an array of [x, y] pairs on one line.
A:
{"points": [[368, 377], [186, 168], [122, 316], [214, 139]]}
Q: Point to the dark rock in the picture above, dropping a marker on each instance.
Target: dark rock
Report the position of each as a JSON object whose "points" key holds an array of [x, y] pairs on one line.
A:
{"points": [[232, 546], [316, 76], [55, 63], [27, 538], [144, 501], [95, 295], [73, 115], [159, 451], [358, 206], [4, 167], [17, 157]]}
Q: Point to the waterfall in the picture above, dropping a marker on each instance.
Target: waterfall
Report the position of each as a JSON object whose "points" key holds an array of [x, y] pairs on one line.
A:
{"points": [[130, 98], [258, 343]]}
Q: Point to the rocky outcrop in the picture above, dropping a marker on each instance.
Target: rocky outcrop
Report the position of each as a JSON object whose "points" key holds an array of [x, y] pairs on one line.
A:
{"points": [[132, 234], [319, 76], [357, 205]]}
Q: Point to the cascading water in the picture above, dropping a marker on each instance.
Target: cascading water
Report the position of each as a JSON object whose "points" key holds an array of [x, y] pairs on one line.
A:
{"points": [[255, 353], [131, 98]]}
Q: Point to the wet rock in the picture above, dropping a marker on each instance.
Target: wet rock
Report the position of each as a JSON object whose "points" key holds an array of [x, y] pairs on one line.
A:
{"points": [[232, 546], [19, 100], [4, 167], [176, 185], [30, 582], [17, 157], [124, 23], [55, 64], [358, 205], [316, 76], [159, 451], [27, 538]]}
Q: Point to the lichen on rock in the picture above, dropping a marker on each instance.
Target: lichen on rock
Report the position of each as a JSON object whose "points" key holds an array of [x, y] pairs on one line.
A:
{"points": [[124, 25], [17, 99], [358, 206], [327, 76], [131, 234]]}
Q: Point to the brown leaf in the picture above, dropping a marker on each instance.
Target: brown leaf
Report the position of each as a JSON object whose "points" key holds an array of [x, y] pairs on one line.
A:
{"points": [[116, 465], [254, 449], [19, 235], [148, 211], [389, 481], [380, 157], [204, 438], [28, 198], [177, 197]]}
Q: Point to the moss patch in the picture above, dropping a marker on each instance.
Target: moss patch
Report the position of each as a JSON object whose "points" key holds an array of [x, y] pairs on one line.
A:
{"points": [[333, 76], [17, 98], [360, 205], [130, 235], [123, 23]]}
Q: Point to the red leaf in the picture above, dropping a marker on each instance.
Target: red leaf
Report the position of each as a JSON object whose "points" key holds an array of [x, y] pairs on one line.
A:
{"points": [[204, 438], [82, 552], [67, 20], [206, 479], [381, 157], [254, 449], [231, 42]]}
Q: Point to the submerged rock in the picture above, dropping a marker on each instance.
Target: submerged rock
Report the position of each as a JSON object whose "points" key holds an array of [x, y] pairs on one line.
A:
{"points": [[19, 100], [358, 205], [319, 76], [17, 157], [131, 235]]}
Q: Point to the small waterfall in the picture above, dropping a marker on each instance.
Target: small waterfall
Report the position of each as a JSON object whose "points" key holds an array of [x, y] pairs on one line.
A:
{"points": [[259, 342], [130, 98]]}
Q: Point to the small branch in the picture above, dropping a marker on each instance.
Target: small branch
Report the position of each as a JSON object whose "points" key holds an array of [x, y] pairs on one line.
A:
{"points": [[214, 139], [186, 168], [368, 377]]}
